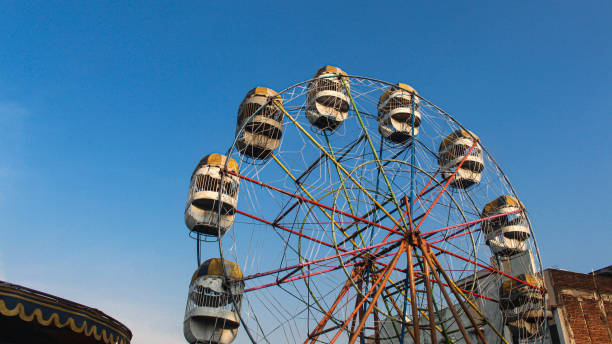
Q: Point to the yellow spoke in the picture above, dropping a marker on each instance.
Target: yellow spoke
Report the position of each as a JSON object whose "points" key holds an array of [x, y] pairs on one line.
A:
{"points": [[313, 199], [316, 143]]}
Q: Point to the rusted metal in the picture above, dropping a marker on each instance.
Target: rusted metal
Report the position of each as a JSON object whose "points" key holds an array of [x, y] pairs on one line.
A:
{"points": [[449, 302], [376, 295], [413, 299], [458, 296], [424, 216], [319, 204], [314, 334], [487, 267], [376, 324], [357, 302], [430, 309], [397, 309], [378, 280]]}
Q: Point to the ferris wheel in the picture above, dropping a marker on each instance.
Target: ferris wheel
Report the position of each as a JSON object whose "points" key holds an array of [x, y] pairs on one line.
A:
{"points": [[349, 210]]}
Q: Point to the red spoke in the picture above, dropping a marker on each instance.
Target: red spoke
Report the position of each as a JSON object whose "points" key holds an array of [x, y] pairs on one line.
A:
{"points": [[454, 236], [421, 274], [309, 275], [287, 229], [382, 280], [352, 252], [469, 223], [469, 292], [296, 278], [424, 216], [485, 267], [423, 191], [312, 202]]}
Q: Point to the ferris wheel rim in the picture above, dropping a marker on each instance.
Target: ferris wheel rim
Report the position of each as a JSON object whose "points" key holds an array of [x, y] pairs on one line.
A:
{"points": [[232, 149], [442, 111]]}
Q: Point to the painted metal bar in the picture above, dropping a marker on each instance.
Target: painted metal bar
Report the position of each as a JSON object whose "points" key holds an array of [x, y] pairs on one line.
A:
{"points": [[457, 294], [378, 280], [297, 278], [430, 308], [409, 279], [380, 166], [346, 195], [449, 302], [444, 284], [352, 252], [376, 325], [358, 299], [423, 192], [286, 212], [318, 145], [486, 267], [454, 287], [310, 274], [287, 229], [301, 186], [454, 236], [415, 313], [315, 332], [399, 311], [405, 213], [446, 185], [469, 223], [379, 290], [312, 166], [312, 202]]}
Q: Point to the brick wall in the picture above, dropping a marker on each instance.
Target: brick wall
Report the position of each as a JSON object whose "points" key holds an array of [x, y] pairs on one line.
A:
{"points": [[584, 303]]}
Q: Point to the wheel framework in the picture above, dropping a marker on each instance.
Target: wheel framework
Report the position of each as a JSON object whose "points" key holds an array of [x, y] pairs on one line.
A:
{"points": [[385, 242]]}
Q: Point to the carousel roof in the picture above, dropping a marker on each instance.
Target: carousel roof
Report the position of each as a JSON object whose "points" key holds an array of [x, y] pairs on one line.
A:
{"points": [[31, 316]]}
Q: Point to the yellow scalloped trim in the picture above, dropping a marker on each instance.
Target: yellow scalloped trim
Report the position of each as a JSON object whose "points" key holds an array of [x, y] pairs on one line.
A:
{"points": [[54, 319]]}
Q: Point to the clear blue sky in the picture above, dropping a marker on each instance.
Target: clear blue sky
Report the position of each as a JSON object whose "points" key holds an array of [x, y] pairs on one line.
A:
{"points": [[105, 109]]}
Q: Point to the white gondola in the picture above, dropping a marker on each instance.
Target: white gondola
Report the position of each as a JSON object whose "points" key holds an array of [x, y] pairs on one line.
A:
{"points": [[506, 235], [395, 113], [523, 305], [208, 182], [263, 132], [452, 151], [211, 316], [327, 102]]}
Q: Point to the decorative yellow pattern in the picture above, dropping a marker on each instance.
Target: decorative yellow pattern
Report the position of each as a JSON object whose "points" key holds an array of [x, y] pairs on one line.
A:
{"points": [[54, 320], [456, 135], [330, 69], [213, 267], [501, 202], [264, 91], [216, 159], [510, 284], [403, 86]]}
